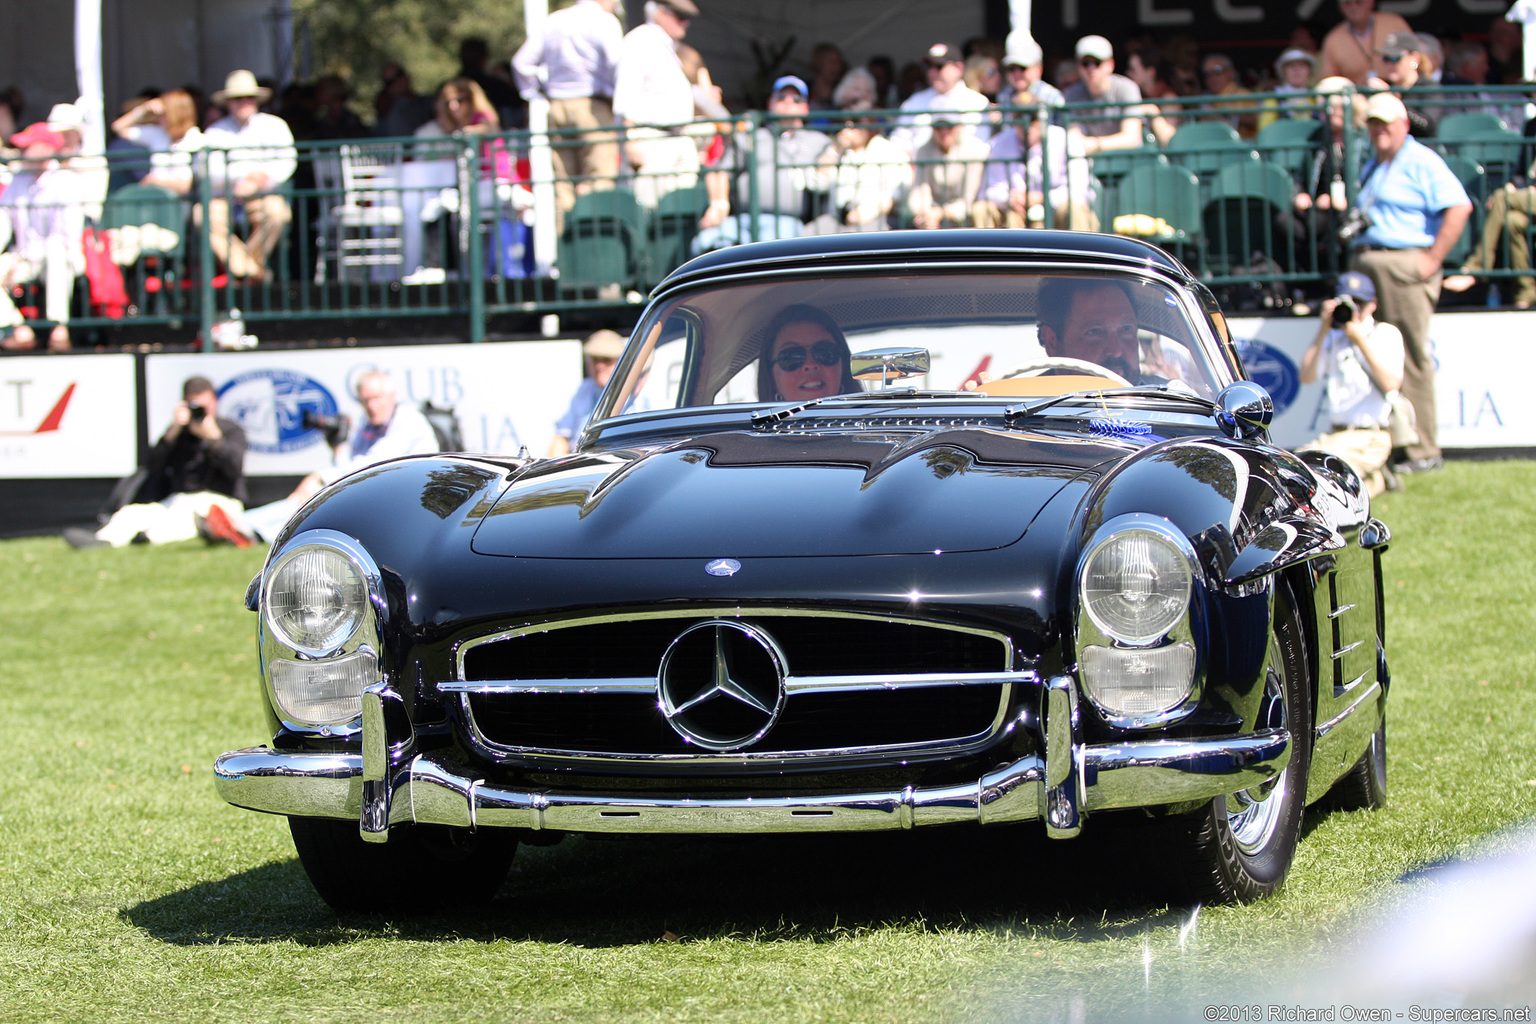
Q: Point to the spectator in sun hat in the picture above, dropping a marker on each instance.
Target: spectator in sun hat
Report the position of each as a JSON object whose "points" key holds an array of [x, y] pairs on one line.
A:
{"points": [[42, 218], [600, 354], [1295, 68], [1360, 362], [1117, 125], [1023, 67], [946, 93], [260, 160]]}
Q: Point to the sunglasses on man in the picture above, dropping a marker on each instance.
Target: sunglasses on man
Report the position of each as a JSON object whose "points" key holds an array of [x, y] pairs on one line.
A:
{"points": [[792, 357], [1089, 62]]}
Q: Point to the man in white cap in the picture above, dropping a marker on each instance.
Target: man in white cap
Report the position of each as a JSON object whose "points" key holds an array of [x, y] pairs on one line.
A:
{"points": [[1115, 126], [1415, 209], [946, 93], [572, 62], [260, 159], [1023, 66]]}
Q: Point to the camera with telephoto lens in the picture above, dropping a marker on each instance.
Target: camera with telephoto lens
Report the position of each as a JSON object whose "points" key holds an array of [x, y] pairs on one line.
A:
{"points": [[335, 429], [1345, 311], [1356, 221], [199, 412]]}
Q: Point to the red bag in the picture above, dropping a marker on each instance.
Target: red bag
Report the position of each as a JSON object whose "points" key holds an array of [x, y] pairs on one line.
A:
{"points": [[109, 296]]}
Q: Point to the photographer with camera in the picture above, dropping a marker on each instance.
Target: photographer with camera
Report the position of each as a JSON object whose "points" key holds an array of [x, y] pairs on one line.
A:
{"points": [[390, 428], [1360, 361], [197, 465]]}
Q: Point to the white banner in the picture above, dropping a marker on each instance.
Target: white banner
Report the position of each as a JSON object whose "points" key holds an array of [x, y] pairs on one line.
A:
{"points": [[1483, 360], [67, 417], [505, 394]]}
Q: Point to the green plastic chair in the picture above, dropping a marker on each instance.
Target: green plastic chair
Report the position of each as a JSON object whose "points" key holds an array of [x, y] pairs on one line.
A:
{"points": [[1239, 218], [1474, 179], [1455, 127], [605, 242], [1161, 191], [1290, 142], [674, 224], [147, 227]]}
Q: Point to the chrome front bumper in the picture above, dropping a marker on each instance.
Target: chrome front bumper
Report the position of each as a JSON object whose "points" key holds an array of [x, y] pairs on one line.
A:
{"points": [[390, 783]]}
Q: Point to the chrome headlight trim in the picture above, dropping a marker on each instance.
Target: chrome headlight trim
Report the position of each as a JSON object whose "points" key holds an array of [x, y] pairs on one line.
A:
{"points": [[362, 636], [1172, 581], [1178, 633], [353, 558]]}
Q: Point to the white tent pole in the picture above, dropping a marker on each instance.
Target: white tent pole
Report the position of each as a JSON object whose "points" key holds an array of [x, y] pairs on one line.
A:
{"points": [[88, 74], [540, 161]]}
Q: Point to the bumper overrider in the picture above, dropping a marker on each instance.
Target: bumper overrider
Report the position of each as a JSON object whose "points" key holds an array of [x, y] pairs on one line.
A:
{"points": [[390, 782]]}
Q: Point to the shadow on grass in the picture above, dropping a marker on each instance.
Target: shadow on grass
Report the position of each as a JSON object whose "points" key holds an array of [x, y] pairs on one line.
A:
{"points": [[594, 892]]}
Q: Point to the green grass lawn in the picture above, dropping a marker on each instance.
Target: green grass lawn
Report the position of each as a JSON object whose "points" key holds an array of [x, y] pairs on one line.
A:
{"points": [[129, 891]]}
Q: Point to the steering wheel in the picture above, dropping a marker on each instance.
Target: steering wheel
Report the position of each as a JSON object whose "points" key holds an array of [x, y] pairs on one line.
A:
{"points": [[1082, 366]]}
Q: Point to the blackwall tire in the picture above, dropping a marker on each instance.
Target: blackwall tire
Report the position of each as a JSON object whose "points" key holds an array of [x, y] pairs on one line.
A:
{"points": [[422, 867], [1239, 847], [1364, 787]]}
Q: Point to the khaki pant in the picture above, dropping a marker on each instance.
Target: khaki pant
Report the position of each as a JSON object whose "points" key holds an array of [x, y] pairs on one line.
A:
{"points": [[1509, 210], [1366, 450], [587, 161], [1070, 215], [268, 216], [1407, 302]]}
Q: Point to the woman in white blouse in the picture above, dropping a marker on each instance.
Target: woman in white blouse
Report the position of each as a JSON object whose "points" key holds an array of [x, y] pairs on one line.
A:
{"points": [[166, 126]]}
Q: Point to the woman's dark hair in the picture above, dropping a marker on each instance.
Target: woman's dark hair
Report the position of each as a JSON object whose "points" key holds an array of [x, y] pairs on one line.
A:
{"points": [[766, 390]]}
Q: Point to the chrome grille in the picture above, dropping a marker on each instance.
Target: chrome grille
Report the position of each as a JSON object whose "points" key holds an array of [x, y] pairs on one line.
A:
{"points": [[853, 683]]}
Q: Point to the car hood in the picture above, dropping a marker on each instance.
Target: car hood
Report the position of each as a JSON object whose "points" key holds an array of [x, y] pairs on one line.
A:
{"points": [[751, 495]]}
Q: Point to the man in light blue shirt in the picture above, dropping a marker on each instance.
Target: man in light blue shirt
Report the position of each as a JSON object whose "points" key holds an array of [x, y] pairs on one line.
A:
{"points": [[1416, 210], [572, 62]]}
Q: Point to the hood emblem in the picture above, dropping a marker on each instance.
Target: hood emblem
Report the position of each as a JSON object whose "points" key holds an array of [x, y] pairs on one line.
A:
{"points": [[721, 684], [723, 567]]}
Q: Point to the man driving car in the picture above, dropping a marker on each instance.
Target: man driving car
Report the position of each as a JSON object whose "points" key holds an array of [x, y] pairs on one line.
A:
{"points": [[1092, 320]]}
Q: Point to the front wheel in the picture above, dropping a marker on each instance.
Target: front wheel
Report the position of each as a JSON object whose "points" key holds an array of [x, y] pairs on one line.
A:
{"points": [[421, 868], [1240, 846]]}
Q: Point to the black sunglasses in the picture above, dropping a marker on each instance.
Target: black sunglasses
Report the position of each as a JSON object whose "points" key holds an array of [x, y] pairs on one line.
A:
{"points": [[1089, 62], [793, 357]]}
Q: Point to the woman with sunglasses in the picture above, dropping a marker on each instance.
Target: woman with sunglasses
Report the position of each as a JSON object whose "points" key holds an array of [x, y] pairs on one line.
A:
{"points": [[806, 357]]}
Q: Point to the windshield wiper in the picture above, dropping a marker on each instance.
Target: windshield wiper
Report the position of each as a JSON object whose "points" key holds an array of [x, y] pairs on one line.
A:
{"points": [[1028, 411], [766, 417]]}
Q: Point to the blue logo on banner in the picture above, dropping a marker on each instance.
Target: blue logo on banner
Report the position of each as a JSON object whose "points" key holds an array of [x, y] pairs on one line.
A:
{"points": [[270, 406], [1272, 369]]}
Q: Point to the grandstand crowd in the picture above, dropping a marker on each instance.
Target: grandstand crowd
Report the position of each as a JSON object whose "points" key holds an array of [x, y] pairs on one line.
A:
{"points": [[1244, 164]]}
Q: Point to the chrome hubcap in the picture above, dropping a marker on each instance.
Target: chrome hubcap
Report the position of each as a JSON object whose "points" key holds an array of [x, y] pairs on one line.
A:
{"points": [[1254, 814]]}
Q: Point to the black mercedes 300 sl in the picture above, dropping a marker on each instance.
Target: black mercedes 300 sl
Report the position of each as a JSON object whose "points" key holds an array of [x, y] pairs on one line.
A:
{"points": [[788, 583]]}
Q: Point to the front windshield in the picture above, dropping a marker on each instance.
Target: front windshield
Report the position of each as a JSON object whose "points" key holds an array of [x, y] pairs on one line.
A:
{"points": [[793, 340]]}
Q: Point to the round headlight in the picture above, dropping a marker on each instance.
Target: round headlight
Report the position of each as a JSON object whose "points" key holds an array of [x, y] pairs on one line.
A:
{"points": [[316, 599], [1135, 585]]}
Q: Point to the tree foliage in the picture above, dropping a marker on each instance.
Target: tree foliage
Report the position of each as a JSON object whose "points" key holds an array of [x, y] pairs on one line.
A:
{"points": [[357, 38]]}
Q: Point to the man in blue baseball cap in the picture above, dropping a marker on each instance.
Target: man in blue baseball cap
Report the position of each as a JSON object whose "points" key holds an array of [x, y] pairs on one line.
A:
{"points": [[1360, 362], [778, 160]]}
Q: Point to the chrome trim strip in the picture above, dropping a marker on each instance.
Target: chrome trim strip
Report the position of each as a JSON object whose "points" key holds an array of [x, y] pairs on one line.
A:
{"points": [[1061, 799], [1340, 652], [1341, 609], [1181, 771], [792, 684], [440, 792], [624, 684]]}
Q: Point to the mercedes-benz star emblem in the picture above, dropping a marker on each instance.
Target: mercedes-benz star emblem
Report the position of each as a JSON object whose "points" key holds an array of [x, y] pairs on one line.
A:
{"points": [[723, 567], [721, 684]]}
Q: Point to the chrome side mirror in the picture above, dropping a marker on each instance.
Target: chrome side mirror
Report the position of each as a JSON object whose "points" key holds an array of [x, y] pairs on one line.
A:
{"points": [[889, 364], [1244, 410]]}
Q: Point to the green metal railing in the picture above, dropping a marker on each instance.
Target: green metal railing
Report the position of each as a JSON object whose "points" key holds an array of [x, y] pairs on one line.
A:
{"points": [[445, 227]]}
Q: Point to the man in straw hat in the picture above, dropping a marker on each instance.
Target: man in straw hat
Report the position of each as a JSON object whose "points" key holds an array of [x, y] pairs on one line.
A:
{"points": [[601, 353], [250, 156]]}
